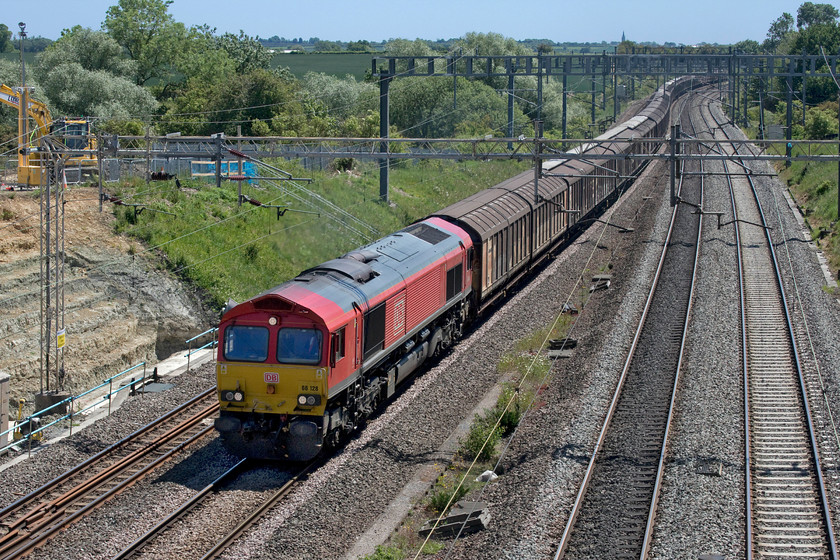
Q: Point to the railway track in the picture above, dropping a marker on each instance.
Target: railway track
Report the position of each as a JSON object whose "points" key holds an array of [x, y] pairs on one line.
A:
{"points": [[787, 504], [615, 507], [215, 492], [35, 518]]}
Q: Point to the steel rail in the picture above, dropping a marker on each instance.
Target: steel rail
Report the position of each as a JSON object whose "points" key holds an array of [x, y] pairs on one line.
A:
{"points": [[137, 546], [45, 519], [28, 542], [83, 467], [261, 510], [568, 530], [803, 393], [672, 404]]}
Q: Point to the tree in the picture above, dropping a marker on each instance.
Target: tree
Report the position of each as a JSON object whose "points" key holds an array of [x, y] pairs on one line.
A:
{"points": [[779, 29], [327, 46], [200, 60], [342, 97], [10, 75], [263, 102], [76, 91], [491, 44], [747, 46], [404, 47], [423, 107], [92, 50], [247, 53], [810, 14], [85, 72], [813, 40], [6, 44], [146, 30], [359, 46]]}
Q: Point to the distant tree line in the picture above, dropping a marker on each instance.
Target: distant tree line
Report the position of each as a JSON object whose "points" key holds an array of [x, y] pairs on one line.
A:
{"points": [[142, 68]]}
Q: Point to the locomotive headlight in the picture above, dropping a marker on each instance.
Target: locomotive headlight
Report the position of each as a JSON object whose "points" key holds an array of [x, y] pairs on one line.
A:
{"points": [[233, 396], [309, 400]]}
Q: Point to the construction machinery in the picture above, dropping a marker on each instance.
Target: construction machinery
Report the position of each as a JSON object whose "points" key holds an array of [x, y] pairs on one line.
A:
{"points": [[72, 134], [27, 428]]}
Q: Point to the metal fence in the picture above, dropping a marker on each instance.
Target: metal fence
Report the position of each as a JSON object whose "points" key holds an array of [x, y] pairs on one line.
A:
{"points": [[32, 424]]}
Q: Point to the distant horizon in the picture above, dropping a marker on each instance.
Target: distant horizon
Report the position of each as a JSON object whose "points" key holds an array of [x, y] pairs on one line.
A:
{"points": [[715, 21]]}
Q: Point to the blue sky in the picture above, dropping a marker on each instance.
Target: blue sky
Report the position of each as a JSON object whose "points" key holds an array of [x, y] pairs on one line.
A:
{"points": [[679, 21]]}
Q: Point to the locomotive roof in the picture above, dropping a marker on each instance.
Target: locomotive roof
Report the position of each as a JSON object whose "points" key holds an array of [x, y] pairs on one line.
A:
{"points": [[332, 288]]}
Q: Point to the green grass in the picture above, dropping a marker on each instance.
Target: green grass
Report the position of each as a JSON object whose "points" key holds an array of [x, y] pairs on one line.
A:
{"points": [[329, 63], [814, 186], [235, 253]]}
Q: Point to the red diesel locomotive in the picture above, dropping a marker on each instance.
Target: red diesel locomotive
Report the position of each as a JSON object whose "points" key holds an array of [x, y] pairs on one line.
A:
{"points": [[304, 362]]}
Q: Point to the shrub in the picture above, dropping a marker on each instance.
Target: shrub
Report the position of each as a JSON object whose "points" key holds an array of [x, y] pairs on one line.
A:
{"points": [[446, 493], [483, 430], [509, 418], [385, 553], [251, 252], [819, 124]]}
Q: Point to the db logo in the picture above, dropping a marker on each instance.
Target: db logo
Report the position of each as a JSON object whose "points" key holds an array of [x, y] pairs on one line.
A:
{"points": [[271, 377]]}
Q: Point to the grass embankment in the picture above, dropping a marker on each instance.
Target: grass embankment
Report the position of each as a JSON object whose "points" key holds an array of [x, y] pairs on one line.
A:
{"points": [[232, 252], [814, 187]]}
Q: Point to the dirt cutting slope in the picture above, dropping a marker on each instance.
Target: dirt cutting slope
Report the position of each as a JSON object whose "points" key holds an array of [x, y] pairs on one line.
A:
{"points": [[120, 308]]}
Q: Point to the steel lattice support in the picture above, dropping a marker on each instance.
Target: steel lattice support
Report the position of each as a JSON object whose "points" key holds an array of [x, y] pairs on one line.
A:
{"points": [[53, 186]]}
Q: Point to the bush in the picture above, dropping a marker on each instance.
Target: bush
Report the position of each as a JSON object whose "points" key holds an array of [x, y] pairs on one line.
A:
{"points": [[251, 253], [446, 493], [509, 418], [385, 553], [483, 430], [820, 124]]}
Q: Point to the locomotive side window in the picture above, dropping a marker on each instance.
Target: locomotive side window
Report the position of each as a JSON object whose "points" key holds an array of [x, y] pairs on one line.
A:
{"points": [[454, 280], [338, 345], [246, 344], [299, 346], [374, 330]]}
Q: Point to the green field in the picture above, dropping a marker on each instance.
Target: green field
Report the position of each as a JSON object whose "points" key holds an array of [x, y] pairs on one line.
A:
{"points": [[334, 64], [15, 57]]}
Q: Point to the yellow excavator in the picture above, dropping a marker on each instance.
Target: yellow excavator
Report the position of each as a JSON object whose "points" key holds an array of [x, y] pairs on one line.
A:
{"points": [[75, 134]]}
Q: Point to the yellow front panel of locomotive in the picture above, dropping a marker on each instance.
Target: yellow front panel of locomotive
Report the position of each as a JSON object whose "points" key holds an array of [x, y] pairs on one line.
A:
{"points": [[271, 388]]}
